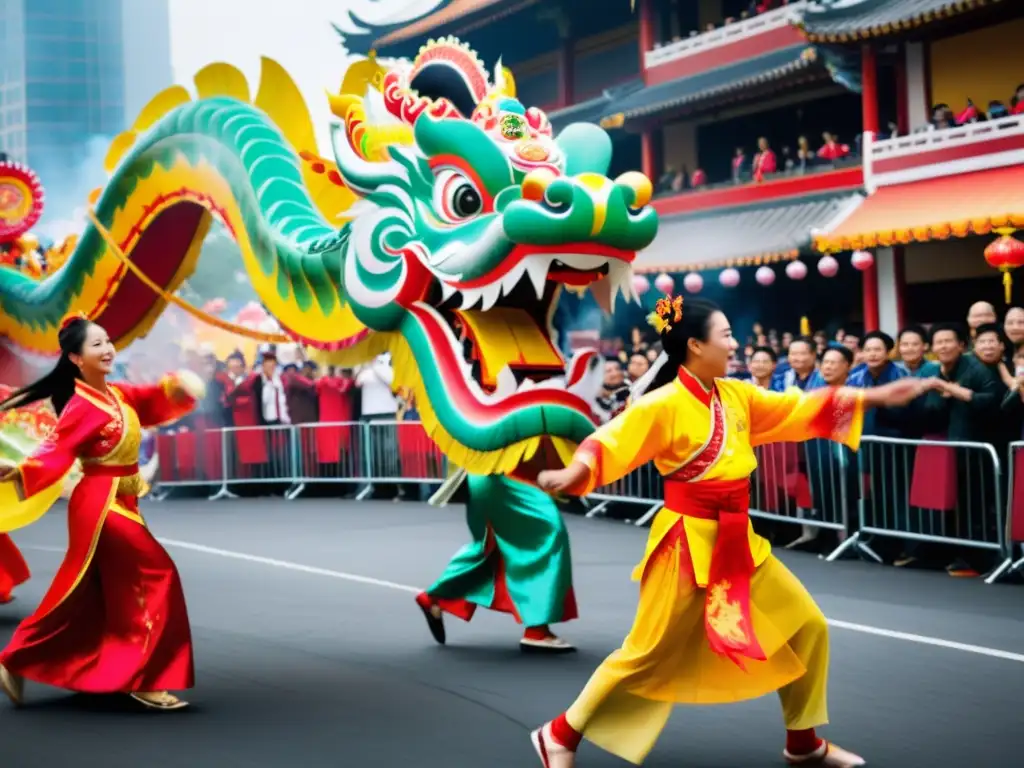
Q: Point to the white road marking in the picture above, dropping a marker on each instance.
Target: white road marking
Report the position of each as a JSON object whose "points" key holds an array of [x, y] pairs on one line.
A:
{"points": [[891, 634], [290, 566]]}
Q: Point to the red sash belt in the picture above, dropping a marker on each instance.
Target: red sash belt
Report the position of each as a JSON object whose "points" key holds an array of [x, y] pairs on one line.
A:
{"points": [[727, 618], [109, 470]]}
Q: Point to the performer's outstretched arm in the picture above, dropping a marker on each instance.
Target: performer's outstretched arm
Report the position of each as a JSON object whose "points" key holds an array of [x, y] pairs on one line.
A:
{"points": [[628, 441], [834, 413]]}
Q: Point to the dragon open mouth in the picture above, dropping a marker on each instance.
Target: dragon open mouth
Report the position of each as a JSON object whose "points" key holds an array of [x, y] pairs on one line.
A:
{"points": [[499, 337]]}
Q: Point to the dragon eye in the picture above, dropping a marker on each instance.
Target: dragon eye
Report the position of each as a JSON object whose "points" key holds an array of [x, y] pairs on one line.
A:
{"points": [[457, 198]]}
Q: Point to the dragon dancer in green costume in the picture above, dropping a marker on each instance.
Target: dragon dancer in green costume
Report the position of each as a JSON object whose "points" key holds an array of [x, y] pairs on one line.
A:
{"points": [[442, 232]]}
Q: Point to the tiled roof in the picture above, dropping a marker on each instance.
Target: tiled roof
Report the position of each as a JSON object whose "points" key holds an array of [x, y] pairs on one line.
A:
{"points": [[592, 110], [839, 21], [712, 84], [934, 209], [750, 236], [382, 37]]}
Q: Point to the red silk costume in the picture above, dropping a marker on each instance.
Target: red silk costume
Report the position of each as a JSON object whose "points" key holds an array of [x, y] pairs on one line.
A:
{"points": [[114, 618], [13, 569]]}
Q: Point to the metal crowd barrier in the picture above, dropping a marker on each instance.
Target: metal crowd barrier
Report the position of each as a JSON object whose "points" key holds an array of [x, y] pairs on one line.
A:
{"points": [[913, 491], [352, 453], [1013, 532], [933, 491]]}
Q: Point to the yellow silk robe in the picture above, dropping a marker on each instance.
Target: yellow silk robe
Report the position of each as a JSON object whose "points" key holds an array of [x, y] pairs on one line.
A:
{"points": [[666, 659], [670, 425]]}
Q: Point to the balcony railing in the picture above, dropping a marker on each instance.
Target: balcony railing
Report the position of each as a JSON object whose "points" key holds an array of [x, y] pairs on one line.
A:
{"points": [[945, 152], [724, 35], [746, 180]]}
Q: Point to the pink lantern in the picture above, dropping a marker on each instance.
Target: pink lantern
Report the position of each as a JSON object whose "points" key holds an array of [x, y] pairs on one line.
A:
{"points": [[862, 260], [765, 276], [693, 282], [641, 285], [664, 283], [730, 278], [796, 270], [828, 266]]}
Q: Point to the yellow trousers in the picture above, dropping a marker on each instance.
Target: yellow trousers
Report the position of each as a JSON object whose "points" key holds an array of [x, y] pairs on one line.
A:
{"points": [[665, 660]]}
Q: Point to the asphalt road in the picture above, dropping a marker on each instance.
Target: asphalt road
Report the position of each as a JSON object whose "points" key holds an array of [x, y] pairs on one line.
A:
{"points": [[311, 653]]}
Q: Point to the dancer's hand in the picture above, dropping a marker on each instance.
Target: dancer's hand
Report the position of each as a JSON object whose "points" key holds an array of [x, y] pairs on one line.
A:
{"points": [[896, 394], [561, 480]]}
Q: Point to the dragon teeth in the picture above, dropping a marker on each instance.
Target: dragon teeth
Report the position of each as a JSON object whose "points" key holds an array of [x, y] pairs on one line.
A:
{"points": [[505, 383], [537, 270], [511, 280], [471, 297], [447, 291], [491, 294]]}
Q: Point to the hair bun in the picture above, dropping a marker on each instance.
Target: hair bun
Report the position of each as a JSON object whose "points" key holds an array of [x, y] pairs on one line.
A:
{"points": [[72, 317]]}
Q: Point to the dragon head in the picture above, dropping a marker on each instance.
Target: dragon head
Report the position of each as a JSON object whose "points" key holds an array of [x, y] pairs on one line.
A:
{"points": [[464, 237]]}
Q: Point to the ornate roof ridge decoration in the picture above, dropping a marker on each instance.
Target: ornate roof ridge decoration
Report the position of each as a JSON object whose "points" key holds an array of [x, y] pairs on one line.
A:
{"points": [[975, 203], [961, 228], [444, 19], [851, 21]]}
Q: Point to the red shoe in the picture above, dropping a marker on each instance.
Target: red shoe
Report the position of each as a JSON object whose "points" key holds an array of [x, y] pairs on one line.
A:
{"points": [[828, 754], [551, 753], [5, 599]]}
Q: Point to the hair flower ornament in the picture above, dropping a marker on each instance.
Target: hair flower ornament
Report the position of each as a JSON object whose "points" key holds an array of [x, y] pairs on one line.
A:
{"points": [[667, 311]]}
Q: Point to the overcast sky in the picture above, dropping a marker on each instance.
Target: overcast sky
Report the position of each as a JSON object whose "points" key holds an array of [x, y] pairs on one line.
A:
{"points": [[296, 33]]}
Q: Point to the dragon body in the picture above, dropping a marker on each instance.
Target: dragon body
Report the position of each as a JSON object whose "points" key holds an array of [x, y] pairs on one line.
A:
{"points": [[442, 232]]}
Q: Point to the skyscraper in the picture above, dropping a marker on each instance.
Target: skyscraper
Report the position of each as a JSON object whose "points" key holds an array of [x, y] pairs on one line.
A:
{"points": [[147, 53], [68, 70]]}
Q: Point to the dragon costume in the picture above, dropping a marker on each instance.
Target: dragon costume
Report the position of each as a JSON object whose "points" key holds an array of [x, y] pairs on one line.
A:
{"points": [[442, 233]]}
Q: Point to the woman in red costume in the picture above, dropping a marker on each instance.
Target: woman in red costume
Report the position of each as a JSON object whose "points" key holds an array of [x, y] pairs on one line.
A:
{"points": [[114, 619], [13, 569]]}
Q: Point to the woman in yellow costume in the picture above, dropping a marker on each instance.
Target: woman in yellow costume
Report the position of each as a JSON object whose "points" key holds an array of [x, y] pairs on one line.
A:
{"points": [[720, 619]]}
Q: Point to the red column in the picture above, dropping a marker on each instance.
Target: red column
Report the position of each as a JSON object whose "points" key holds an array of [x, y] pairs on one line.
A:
{"points": [[566, 75], [646, 32], [869, 88], [869, 109], [648, 159]]}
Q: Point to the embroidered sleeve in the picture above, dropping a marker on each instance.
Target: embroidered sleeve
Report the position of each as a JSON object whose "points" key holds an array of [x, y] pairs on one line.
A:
{"points": [[794, 416], [630, 440], [50, 462], [173, 397]]}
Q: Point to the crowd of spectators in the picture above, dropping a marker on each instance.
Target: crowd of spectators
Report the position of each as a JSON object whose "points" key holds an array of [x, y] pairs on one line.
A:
{"points": [[280, 389], [765, 163], [943, 117], [978, 397], [977, 370]]}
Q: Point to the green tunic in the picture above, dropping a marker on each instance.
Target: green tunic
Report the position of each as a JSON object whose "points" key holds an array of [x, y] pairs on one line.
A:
{"points": [[518, 534]]}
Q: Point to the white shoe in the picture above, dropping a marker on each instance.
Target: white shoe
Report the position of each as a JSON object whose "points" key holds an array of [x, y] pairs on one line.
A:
{"points": [[549, 644], [13, 686], [828, 755], [551, 753]]}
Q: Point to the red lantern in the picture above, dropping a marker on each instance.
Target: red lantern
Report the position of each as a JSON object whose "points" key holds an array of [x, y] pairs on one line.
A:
{"points": [[1005, 254]]}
